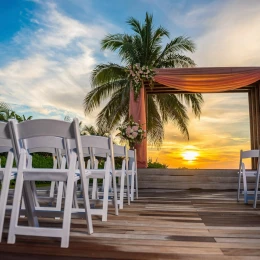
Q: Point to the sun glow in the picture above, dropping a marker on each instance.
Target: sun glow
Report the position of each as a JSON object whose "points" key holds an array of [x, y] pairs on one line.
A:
{"points": [[190, 155]]}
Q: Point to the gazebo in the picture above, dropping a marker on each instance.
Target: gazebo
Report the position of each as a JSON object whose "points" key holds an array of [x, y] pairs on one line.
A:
{"points": [[201, 80]]}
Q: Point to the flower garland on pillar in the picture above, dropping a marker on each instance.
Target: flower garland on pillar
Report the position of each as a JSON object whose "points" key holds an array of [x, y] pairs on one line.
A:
{"points": [[138, 75], [132, 131]]}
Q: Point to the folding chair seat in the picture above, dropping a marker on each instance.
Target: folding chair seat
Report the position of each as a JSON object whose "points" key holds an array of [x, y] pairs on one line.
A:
{"points": [[54, 134], [245, 174], [90, 143], [7, 173], [131, 171]]}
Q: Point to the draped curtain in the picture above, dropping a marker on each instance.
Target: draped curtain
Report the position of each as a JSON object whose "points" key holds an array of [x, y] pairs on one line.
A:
{"points": [[207, 80]]}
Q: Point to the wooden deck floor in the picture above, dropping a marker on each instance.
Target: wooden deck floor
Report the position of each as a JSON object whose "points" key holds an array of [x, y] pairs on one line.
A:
{"points": [[160, 225]]}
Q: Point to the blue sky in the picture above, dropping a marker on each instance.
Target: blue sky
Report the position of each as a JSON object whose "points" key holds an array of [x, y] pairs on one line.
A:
{"points": [[48, 49]]}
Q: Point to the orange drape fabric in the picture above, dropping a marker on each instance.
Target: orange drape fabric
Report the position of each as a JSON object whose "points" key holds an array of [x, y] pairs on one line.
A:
{"points": [[207, 80], [137, 111]]}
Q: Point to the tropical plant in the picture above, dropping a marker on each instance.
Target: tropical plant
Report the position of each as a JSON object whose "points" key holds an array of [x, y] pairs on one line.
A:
{"points": [[156, 164], [6, 113], [143, 47], [87, 129], [92, 130]]}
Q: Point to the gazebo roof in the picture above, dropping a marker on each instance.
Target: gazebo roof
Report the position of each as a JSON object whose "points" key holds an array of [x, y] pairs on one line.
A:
{"points": [[204, 80]]}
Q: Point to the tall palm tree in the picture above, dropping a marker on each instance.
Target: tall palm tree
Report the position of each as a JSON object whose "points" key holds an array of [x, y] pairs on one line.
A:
{"points": [[111, 80]]}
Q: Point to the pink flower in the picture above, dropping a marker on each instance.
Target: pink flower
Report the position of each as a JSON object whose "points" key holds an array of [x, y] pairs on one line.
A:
{"points": [[135, 134], [135, 128], [128, 130]]}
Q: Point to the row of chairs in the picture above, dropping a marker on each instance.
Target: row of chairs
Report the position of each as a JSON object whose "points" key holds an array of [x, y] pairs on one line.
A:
{"points": [[244, 174], [63, 140]]}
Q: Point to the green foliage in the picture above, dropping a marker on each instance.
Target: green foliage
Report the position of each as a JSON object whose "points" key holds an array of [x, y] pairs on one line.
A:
{"points": [[91, 130], [40, 160], [156, 164], [3, 160], [6, 113], [144, 46], [118, 163]]}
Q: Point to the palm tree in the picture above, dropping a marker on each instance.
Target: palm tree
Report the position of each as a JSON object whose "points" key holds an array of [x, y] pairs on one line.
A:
{"points": [[6, 113], [91, 130], [143, 47]]}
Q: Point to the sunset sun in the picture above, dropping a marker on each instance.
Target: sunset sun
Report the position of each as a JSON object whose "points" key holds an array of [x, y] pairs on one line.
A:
{"points": [[190, 155]]}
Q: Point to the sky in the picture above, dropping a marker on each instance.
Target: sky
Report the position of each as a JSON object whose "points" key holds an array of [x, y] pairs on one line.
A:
{"points": [[49, 48]]}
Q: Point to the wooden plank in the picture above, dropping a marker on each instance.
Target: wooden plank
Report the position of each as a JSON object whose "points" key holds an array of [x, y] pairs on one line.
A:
{"points": [[162, 224]]}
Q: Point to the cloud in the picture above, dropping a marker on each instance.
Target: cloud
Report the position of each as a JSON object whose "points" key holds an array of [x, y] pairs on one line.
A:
{"points": [[52, 74], [231, 36]]}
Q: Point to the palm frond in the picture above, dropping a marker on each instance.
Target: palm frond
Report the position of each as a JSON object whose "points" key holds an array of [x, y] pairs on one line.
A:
{"points": [[193, 100], [98, 94], [135, 25], [179, 44], [176, 61], [112, 42], [155, 124], [116, 109], [105, 73], [174, 110]]}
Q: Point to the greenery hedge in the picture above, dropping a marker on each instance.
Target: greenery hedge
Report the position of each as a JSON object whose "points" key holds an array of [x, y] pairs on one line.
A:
{"points": [[43, 160]]}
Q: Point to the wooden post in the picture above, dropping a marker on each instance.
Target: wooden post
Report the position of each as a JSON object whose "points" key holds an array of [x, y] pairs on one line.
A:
{"points": [[254, 116]]}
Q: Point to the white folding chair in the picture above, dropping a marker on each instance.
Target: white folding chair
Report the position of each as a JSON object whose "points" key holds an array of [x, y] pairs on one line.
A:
{"points": [[7, 173], [244, 173], [119, 151], [100, 142], [32, 134], [131, 171]]}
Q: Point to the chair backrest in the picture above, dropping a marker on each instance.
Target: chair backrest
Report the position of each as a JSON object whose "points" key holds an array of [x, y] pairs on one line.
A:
{"points": [[5, 138], [120, 151], [42, 150], [41, 134], [249, 154], [92, 144]]}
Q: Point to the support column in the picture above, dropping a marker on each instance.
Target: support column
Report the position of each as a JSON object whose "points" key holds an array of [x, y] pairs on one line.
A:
{"points": [[137, 109], [254, 115]]}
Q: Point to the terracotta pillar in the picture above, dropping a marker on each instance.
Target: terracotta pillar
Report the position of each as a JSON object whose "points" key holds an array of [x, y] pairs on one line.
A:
{"points": [[137, 109]]}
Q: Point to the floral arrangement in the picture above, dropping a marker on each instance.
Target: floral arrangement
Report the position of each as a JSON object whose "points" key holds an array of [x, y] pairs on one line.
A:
{"points": [[139, 74], [132, 132]]}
